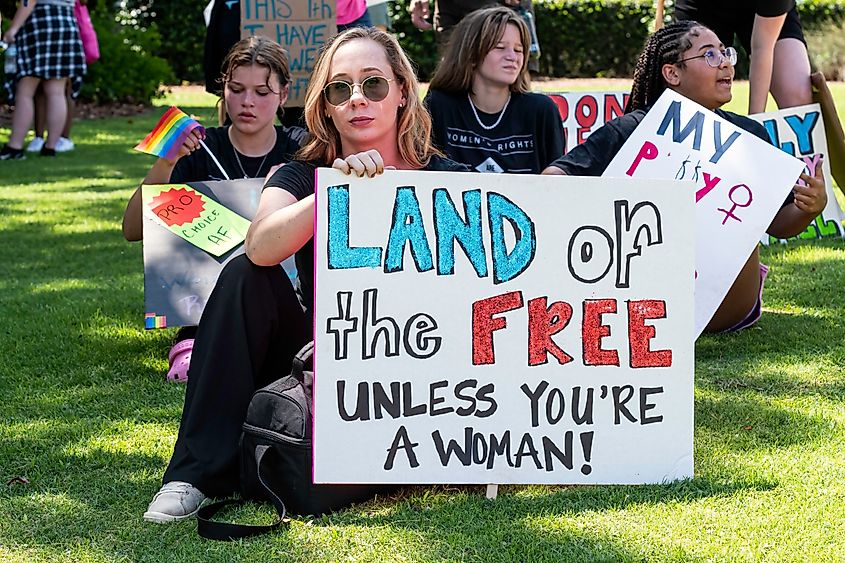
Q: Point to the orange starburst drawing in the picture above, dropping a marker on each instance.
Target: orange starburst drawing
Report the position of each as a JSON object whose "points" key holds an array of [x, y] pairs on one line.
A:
{"points": [[177, 207]]}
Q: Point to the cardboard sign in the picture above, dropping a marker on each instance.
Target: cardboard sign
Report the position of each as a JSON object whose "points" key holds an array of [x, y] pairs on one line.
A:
{"points": [[485, 328], [179, 275], [300, 26], [195, 217], [584, 112], [800, 132], [736, 195]]}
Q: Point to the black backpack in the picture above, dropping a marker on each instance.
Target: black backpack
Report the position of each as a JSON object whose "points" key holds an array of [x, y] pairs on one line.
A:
{"points": [[276, 461]]}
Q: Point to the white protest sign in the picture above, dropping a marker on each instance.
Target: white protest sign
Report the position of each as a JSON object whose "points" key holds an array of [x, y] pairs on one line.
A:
{"points": [[485, 328], [739, 180], [799, 131], [584, 112]]}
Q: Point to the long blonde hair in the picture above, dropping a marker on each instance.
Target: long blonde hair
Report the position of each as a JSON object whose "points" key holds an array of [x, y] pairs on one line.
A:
{"points": [[471, 40], [414, 121]]}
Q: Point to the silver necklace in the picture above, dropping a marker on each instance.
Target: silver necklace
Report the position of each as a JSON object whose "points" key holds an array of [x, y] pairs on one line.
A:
{"points": [[478, 119], [241, 166], [263, 160]]}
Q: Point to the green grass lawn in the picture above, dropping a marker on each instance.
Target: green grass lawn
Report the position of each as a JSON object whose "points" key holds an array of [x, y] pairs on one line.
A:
{"points": [[88, 420]]}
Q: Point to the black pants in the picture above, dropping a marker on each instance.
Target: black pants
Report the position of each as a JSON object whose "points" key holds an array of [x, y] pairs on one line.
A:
{"points": [[251, 328]]}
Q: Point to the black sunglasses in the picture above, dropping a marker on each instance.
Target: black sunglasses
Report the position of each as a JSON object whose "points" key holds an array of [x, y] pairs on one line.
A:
{"points": [[374, 88]]}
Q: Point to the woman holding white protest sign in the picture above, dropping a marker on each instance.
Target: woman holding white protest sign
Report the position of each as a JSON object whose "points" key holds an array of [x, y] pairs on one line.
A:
{"points": [[689, 59], [365, 116], [255, 78], [480, 98]]}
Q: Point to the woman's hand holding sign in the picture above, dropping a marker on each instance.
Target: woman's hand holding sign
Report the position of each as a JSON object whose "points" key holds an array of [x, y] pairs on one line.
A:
{"points": [[367, 163], [811, 198]]}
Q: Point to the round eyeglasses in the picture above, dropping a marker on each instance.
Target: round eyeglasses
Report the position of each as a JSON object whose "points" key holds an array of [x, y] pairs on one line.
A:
{"points": [[374, 88], [715, 57]]}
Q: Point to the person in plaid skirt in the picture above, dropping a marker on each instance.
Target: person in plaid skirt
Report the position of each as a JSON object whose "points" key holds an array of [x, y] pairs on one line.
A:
{"points": [[49, 51]]}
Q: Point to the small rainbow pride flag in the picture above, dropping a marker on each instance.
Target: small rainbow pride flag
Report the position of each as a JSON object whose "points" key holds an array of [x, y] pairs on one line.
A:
{"points": [[169, 134], [151, 320]]}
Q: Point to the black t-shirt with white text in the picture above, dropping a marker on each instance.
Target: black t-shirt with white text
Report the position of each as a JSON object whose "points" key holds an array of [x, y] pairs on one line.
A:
{"points": [[526, 140]]}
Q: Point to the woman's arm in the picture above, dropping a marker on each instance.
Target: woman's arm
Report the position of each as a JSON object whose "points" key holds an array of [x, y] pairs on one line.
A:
{"points": [[810, 200], [553, 170], [20, 17], [764, 35], [282, 225]]}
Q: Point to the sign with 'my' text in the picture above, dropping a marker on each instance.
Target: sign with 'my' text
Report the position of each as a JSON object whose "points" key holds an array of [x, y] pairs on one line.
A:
{"points": [[740, 182], [485, 328], [300, 26], [800, 132]]}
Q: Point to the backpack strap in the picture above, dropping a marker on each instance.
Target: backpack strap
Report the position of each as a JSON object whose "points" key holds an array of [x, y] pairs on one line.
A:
{"points": [[228, 531], [300, 361]]}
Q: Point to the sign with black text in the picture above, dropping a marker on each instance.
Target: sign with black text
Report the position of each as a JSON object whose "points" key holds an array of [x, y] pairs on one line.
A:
{"points": [[484, 328], [300, 26], [180, 274]]}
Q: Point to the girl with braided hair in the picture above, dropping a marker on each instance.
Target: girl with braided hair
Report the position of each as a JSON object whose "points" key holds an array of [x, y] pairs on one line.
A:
{"points": [[689, 58]]}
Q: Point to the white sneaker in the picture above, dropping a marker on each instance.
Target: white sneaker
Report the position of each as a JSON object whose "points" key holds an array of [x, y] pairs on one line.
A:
{"points": [[35, 145], [175, 501], [64, 145]]}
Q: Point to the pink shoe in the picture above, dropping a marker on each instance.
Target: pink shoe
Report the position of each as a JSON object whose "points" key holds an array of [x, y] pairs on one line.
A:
{"points": [[180, 360]]}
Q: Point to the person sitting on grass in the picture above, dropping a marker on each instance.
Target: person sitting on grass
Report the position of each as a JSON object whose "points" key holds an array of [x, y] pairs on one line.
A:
{"points": [[689, 59], [364, 114], [255, 87], [483, 111]]}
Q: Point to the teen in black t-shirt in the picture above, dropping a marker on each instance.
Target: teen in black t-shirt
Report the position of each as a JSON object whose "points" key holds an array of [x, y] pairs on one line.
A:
{"points": [[255, 87], [483, 112], [689, 58], [363, 110], [255, 78]]}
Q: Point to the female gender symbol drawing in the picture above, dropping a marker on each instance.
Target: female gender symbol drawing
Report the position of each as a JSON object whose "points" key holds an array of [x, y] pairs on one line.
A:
{"points": [[730, 214]]}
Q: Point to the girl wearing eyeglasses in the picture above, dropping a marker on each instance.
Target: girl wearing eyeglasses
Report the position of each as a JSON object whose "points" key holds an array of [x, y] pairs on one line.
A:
{"points": [[483, 111], [363, 110], [770, 31], [689, 58]]}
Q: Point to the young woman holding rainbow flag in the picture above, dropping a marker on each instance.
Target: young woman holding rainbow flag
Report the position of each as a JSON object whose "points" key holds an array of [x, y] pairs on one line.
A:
{"points": [[255, 87]]}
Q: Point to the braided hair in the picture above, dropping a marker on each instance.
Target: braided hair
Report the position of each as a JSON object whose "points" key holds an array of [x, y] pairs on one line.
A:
{"points": [[664, 46]]}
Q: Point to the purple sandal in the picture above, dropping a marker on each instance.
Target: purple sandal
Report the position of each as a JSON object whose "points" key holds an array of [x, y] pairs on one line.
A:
{"points": [[180, 360]]}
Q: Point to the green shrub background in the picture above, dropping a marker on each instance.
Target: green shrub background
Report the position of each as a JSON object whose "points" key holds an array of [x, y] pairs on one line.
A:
{"points": [[578, 38], [128, 70], [145, 43]]}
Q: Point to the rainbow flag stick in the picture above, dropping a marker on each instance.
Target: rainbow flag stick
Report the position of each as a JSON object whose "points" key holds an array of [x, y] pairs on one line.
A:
{"points": [[214, 158]]}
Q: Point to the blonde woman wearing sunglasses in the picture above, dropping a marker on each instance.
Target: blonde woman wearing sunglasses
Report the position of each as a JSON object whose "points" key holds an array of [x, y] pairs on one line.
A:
{"points": [[363, 110]]}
